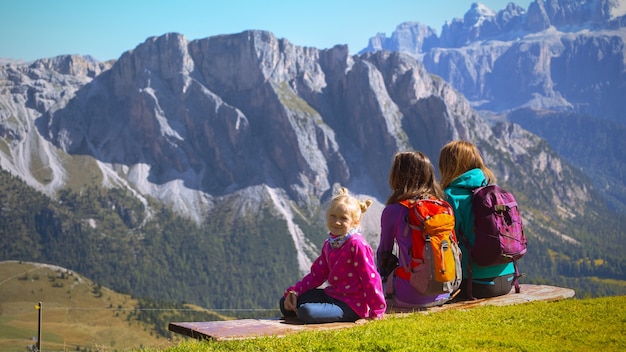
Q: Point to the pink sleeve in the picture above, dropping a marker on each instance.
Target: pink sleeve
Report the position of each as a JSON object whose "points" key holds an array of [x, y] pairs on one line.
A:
{"points": [[316, 277], [372, 283]]}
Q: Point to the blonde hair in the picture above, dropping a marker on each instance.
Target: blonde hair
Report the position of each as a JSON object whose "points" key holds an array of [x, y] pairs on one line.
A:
{"points": [[458, 157], [412, 175], [356, 207]]}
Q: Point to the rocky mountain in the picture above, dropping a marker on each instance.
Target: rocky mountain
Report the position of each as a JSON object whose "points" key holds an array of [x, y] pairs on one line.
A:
{"points": [[247, 135], [558, 54], [556, 58], [177, 121]]}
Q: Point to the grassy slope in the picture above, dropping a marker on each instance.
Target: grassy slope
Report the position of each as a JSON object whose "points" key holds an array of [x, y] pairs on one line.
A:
{"points": [[100, 323], [570, 325], [594, 324]]}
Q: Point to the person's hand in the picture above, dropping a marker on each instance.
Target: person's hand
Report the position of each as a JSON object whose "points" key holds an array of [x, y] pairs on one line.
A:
{"points": [[291, 301]]}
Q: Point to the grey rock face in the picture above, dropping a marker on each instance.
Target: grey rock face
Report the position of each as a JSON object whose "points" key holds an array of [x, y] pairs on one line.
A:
{"points": [[230, 112], [562, 55], [295, 118], [411, 37]]}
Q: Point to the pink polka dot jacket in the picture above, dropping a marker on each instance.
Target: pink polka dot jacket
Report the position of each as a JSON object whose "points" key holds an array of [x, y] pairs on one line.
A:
{"points": [[351, 274]]}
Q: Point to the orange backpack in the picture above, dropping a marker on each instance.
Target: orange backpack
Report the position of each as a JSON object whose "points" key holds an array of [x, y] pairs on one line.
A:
{"points": [[435, 266]]}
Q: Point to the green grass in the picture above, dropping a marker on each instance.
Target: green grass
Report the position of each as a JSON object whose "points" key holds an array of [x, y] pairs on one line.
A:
{"points": [[74, 317], [81, 171], [596, 324], [590, 324]]}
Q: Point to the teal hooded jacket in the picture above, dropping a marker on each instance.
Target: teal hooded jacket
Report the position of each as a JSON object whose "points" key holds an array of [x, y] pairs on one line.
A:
{"points": [[459, 195]]}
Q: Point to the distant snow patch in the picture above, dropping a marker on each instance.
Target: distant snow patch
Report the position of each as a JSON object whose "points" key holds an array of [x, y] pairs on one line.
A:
{"points": [[618, 8]]}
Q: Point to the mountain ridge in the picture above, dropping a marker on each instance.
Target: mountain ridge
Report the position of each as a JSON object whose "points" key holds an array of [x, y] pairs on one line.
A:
{"points": [[562, 57], [517, 58]]}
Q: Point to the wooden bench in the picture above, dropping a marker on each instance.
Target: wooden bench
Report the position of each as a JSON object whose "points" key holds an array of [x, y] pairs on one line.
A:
{"points": [[251, 328]]}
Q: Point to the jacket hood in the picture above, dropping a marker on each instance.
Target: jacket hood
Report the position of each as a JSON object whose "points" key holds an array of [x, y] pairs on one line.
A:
{"points": [[470, 179]]}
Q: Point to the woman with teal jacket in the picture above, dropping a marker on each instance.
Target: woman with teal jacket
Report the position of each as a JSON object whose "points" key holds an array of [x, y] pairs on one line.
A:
{"points": [[462, 169]]}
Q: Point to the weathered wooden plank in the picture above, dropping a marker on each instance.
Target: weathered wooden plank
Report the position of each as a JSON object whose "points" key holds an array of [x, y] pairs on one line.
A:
{"points": [[528, 293], [247, 328], [251, 328]]}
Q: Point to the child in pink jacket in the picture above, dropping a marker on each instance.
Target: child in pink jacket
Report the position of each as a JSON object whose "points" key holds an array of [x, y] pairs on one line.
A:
{"points": [[347, 263]]}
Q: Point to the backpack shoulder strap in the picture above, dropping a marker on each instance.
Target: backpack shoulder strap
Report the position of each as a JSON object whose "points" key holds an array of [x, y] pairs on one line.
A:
{"points": [[407, 202]]}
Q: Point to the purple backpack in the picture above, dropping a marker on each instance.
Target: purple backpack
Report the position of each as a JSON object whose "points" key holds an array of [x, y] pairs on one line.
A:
{"points": [[498, 231]]}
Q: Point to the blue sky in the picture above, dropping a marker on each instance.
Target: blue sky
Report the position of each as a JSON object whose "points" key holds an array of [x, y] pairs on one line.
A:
{"points": [[32, 29]]}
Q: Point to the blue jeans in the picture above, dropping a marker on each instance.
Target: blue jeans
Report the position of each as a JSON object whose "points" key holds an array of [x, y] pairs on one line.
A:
{"points": [[316, 307]]}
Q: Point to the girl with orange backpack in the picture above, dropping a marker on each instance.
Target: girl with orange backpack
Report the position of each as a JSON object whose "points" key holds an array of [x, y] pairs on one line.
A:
{"points": [[412, 180]]}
